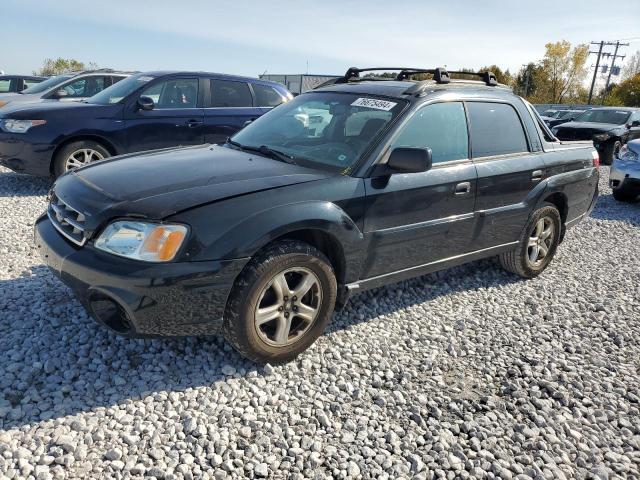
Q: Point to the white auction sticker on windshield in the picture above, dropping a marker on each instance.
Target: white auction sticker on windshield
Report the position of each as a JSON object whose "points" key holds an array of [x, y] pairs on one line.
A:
{"points": [[374, 103]]}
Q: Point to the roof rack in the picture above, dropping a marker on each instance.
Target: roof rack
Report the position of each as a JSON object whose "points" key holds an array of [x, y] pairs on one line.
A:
{"points": [[440, 75]]}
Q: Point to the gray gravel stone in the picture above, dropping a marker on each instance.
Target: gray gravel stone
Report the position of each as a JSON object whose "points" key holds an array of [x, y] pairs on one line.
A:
{"points": [[467, 373]]}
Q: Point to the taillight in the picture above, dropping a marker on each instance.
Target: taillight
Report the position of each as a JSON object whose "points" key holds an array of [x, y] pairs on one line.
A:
{"points": [[596, 158]]}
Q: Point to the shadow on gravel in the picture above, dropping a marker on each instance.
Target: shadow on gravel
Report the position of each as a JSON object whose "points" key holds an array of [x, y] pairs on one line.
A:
{"points": [[608, 208], [20, 185], [56, 361]]}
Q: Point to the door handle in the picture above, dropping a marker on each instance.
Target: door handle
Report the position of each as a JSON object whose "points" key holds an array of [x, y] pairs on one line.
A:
{"points": [[462, 188], [193, 123], [536, 175]]}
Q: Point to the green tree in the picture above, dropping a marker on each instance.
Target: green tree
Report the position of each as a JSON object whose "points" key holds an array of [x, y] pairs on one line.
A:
{"points": [[562, 72], [627, 93], [525, 82], [632, 67], [62, 65]]}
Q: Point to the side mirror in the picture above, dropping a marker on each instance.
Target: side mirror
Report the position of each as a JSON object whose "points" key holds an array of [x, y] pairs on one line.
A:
{"points": [[247, 123], [61, 93], [635, 123], [146, 103], [409, 160]]}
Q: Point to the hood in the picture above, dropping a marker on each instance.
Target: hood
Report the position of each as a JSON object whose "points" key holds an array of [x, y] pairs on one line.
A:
{"points": [[594, 127], [12, 98], [160, 183], [48, 109]]}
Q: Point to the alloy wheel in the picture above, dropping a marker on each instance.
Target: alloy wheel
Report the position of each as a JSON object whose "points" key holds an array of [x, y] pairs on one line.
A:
{"points": [[288, 306], [82, 157], [540, 241]]}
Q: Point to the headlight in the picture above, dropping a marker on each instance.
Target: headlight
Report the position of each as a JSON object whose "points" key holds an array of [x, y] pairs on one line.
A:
{"points": [[602, 137], [151, 242], [628, 155], [2, 104], [19, 126]]}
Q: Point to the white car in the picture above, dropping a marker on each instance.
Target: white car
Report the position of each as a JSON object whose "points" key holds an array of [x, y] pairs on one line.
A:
{"points": [[624, 177]]}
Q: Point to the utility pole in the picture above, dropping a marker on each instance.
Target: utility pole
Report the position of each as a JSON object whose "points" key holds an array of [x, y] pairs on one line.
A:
{"points": [[595, 72], [613, 64]]}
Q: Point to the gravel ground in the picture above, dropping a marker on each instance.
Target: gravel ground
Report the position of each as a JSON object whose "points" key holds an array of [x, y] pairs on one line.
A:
{"points": [[470, 373]]}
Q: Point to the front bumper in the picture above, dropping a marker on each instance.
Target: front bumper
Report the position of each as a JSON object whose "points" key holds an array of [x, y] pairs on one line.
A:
{"points": [[624, 172], [22, 156], [139, 299]]}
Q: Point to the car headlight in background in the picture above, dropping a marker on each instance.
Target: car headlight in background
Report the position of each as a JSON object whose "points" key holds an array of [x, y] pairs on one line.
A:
{"points": [[2, 104], [602, 137], [150, 242], [19, 126], [628, 155]]}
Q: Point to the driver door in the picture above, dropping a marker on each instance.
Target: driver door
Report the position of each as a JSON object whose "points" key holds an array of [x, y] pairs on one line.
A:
{"points": [[414, 219]]}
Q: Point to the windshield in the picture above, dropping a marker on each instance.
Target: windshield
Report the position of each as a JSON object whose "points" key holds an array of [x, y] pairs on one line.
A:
{"points": [[616, 117], [47, 84], [325, 130], [120, 90]]}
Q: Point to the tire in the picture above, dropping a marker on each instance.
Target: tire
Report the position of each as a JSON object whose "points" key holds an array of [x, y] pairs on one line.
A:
{"points": [[88, 150], [611, 151], [259, 284], [623, 194], [518, 261]]}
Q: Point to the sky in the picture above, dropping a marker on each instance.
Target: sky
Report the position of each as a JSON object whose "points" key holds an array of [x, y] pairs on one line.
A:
{"points": [[251, 37]]}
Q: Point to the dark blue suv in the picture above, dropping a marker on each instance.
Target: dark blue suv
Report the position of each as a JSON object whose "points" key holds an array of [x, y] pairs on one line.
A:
{"points": [[145, 111]]}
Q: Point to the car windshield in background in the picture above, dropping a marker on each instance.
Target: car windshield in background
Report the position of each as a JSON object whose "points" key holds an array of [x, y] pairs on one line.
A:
{"points": [[325, 130], [120, 90], [615, 117], [47, 84]]}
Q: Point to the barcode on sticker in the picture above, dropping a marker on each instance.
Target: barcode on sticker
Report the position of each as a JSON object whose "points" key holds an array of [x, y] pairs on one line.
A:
{"points": [[374, 103]]}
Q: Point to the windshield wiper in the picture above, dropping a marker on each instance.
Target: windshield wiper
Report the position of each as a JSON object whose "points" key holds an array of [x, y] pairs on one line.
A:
{"points": [[264, 150]]}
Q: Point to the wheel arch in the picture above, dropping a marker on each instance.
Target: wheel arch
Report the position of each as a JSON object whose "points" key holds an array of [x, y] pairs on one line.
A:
{"points": [[559, 199], [79, 138]]}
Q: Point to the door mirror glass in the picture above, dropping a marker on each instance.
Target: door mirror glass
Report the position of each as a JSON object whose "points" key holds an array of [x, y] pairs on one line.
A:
{"points": [[409, 160], [635, 123], [145, 103]]}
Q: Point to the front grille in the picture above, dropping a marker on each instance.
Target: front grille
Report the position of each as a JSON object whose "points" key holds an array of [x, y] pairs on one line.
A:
{"points": [[574, 134], [67, 220]]}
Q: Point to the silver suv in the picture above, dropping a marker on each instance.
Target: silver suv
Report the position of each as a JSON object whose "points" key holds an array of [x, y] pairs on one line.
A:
{"points": [[74, 86], [624, 177]]}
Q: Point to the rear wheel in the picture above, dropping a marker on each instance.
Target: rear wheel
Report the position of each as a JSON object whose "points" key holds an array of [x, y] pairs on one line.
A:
{"points": [[537, 245], [78, 154], [280, 303]]}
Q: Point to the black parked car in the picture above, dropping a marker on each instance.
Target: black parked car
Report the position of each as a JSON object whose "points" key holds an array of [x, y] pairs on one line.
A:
{"points": [[608, 127], [68, 87], [17, 83], [144, 112], [563, 116], [348, 187]]}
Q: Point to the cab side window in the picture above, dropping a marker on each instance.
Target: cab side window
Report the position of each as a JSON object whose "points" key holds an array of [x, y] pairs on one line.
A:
{"points": [[8, 85], [227, 93], [442, 127], [176, 93], [495, 130]]}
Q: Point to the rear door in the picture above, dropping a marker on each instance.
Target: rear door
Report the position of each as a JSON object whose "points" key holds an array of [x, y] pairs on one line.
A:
{"points": [[176, 119], [509, 167], [418, 218], [230, 105]]}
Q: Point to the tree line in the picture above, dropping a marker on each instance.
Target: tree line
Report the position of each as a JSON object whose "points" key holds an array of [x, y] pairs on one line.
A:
{"points": [[559, 77]]}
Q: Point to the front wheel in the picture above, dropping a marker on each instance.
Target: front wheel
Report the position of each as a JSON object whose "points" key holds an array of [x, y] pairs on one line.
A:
{"points": [[611, 151], [537, 244], [625, 194], [280, 303], [78, 154]]}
